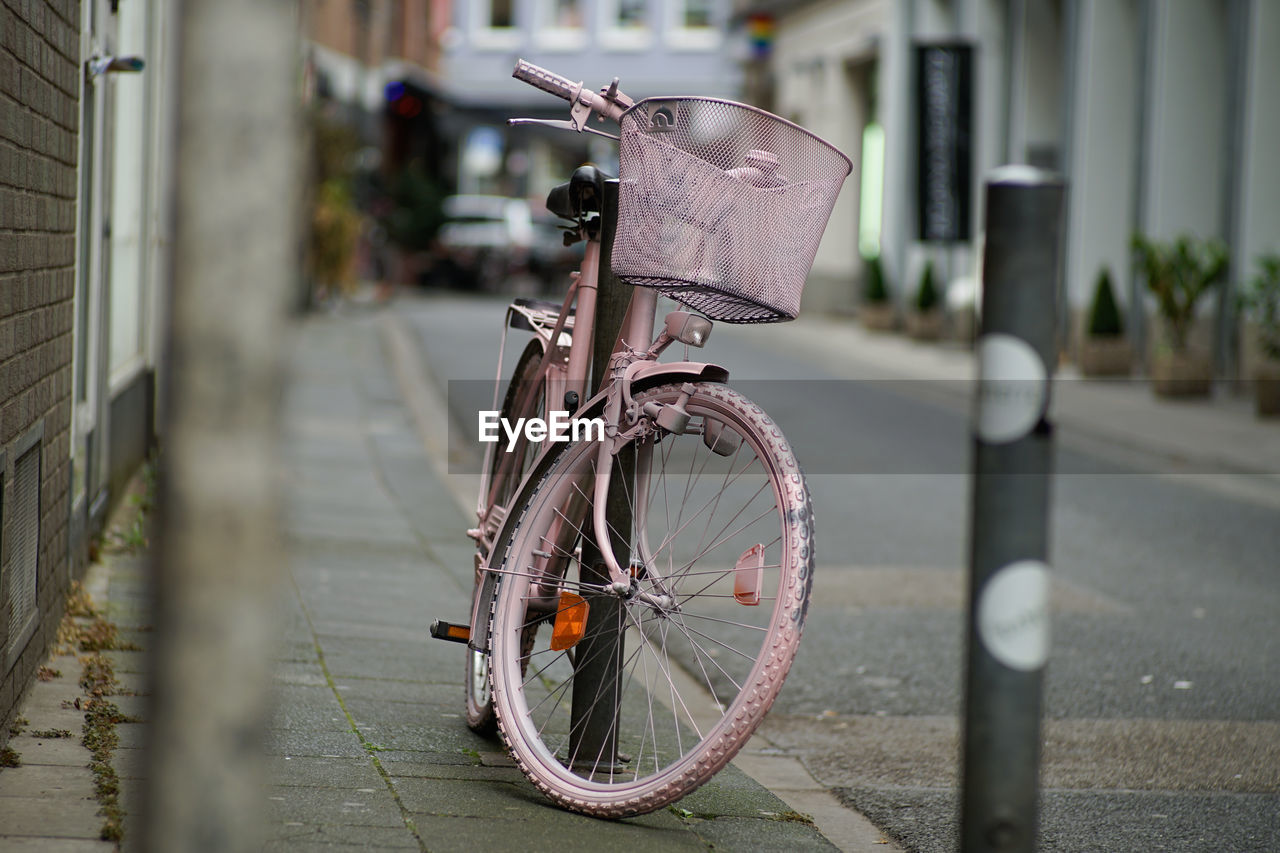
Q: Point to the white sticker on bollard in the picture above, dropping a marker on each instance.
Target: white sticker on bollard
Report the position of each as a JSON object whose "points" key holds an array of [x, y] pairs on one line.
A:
{"points": [[1012, 388], [1013, 615]]}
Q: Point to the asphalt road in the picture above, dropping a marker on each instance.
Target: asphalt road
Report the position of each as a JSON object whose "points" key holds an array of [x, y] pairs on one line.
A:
{"points": [[1162, 695]]}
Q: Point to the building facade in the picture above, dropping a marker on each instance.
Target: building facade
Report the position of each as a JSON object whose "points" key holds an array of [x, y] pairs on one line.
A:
{"points": [[83, 231], [432, 79], [1158, 114], [38, 119], [654, 47]]}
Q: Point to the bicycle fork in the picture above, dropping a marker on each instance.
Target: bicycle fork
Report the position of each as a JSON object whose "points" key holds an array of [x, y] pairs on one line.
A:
{"points": [[671, 418]]}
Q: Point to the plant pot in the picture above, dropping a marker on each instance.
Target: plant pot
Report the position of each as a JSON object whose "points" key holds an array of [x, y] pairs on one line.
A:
{"points": [[1110, 356], [964, 325], [1266, 378], [878, 316], [1181, 374], [926, 326]]}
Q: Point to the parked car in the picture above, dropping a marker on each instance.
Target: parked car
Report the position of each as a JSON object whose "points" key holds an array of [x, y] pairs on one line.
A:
{"points": [[550, 260], [484, 241]]}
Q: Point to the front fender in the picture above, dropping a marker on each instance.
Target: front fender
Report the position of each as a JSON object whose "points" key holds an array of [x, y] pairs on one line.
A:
{"points": [[646, 374]]}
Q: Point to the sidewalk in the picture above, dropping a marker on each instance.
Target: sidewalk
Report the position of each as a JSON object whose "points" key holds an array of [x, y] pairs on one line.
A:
{"points": [[58, 798], [368, 749]]}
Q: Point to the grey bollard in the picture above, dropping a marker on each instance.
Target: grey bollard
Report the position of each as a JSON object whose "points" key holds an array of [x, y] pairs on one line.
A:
{"points": [[1008, 619]]}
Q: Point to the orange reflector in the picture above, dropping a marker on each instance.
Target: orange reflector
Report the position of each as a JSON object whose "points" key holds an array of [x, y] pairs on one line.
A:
{"points": [[461, 633], [748, 576], [571, 622]]}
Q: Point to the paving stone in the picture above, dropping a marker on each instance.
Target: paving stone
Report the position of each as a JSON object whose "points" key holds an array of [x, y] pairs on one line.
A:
{"points": [[358, 657], [310, 743], [536, 831], [333, 838], [760, 835], [44, 781], [129, 763], [65, 752], [303, 708], [427, 765], [310, 771], [17, 844], [345, 806], [59, 817], [131, 735], [723, 796]]}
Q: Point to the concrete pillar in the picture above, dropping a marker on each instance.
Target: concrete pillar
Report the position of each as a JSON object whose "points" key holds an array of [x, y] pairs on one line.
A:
{"points": [[1258, 204], [1104, 149], [1187, 133], [1260, 196], [218, 556], [1186, 120], [896, 102]]}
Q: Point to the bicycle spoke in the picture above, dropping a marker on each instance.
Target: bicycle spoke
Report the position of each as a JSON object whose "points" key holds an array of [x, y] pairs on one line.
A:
{"points": [[719, 542], [719, 493], [673, 534]]}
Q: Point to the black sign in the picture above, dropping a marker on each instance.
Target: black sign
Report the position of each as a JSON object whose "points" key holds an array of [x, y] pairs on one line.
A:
{"points": [[944, 177]]}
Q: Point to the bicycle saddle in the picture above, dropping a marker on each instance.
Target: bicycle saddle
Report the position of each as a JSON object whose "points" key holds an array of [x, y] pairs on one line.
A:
{"points": [[581, 194]]}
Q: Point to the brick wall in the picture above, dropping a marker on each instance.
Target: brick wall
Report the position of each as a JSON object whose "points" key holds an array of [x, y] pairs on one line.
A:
{"points": [[39, 118]]}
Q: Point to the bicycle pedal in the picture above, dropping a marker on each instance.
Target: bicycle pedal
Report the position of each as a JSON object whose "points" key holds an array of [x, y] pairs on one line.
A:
{"points": [[453, 633]]}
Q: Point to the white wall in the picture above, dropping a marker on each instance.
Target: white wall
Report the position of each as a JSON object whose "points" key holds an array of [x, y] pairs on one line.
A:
{"points": [[813, 52]]}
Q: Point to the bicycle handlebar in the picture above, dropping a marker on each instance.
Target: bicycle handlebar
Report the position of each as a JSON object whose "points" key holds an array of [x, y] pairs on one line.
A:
{"points": [[547, 81], [562, 87]]}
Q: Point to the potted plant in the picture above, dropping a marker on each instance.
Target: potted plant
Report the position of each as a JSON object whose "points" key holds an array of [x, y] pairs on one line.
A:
{"points": [[1262, 301], [1104, 350], [334, 240], [1179, 274], [877, 310], [925, 322]]}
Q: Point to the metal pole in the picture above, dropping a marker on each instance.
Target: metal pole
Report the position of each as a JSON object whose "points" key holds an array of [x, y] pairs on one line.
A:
{"points": [[598, 656], [1008, 627], [218, 554]]}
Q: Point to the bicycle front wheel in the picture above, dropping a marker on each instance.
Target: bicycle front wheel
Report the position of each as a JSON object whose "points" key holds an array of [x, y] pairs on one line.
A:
{"points": [[630, 702]]}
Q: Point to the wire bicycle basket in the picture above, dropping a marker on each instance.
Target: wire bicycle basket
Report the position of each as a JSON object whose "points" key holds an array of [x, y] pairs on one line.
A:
{"points": [[722, 205]]}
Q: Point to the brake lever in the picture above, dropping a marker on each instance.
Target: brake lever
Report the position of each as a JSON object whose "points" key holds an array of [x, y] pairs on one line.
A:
{"points": [[561, 124]]}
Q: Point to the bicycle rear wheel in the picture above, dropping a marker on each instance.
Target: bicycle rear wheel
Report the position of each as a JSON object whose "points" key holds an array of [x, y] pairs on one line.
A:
{"points": [[659, 690], [479, 713]]}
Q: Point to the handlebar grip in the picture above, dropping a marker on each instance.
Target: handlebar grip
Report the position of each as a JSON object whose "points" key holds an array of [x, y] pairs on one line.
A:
{"points": [[547, 81]]}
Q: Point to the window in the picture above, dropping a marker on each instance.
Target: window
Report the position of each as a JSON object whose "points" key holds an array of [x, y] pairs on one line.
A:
{"points": [[697, 14], [501, 15], [692, 25], [559, 25], [625, 24], [494, 24]]}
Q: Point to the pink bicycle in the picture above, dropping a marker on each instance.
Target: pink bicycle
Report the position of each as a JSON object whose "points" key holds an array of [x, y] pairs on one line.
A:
{"points": [[640, 593]]}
